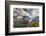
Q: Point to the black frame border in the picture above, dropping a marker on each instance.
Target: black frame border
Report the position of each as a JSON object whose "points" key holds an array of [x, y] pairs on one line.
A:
{"points": [[7, 18]]}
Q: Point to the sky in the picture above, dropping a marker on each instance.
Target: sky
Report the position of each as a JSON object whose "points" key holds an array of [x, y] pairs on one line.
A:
{"points": [[27, 12]]}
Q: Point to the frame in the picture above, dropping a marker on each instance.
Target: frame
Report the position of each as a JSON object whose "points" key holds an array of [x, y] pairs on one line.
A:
{"points": [[11, 7]]}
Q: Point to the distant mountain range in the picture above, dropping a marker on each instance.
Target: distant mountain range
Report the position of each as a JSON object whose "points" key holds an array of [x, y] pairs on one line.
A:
{"points": [[36, 19]]}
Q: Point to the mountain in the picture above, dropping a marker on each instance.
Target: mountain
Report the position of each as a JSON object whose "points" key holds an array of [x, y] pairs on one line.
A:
{"points": [[36, 19]]}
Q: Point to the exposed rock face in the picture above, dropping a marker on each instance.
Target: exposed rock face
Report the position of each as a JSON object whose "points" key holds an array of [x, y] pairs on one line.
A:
{"points": [[23, 20]]}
